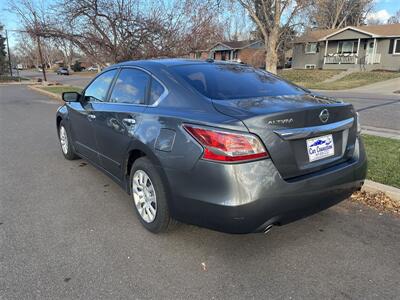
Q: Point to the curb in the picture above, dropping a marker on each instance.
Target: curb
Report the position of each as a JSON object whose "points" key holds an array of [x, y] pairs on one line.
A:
{"points": [[382, 132], [50, 94], [374, 187]]}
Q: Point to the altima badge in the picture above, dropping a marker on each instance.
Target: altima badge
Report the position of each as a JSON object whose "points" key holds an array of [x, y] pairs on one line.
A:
{"points": [[324, 116], [281, 122]]}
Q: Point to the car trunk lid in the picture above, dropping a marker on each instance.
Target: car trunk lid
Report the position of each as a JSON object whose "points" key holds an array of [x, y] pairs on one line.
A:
{"points": [[285, 123]]}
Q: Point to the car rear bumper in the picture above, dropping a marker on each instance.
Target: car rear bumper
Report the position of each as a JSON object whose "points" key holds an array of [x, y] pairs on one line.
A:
{"points": [[243, 198]]}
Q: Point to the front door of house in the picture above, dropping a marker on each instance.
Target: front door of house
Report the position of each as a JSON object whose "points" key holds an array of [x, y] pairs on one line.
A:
{"points": [[369, 52]]}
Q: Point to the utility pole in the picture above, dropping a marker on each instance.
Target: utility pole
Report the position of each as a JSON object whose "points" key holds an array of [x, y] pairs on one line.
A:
{"points": [[9, 55], [36, 32]]}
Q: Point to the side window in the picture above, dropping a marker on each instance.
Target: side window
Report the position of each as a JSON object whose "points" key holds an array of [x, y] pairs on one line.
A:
{"points": [[156, 91], [130, 87], [97, 90]]}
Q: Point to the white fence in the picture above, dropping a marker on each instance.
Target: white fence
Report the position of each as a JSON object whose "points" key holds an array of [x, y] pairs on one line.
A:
{"points": [[336, 59]]}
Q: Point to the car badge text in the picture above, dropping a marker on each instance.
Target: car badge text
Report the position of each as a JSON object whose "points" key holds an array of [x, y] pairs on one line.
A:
{"points": [[281, 122]]}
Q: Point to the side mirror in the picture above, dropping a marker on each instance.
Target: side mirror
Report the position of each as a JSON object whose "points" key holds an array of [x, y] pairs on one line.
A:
{"points": [[71, 96]]}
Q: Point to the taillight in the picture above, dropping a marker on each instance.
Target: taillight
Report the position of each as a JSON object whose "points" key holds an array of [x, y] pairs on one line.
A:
{"points": [[226, 146]]}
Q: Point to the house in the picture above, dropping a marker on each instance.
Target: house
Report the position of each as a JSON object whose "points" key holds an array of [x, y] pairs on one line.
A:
{"points": [[250, 52], [365, 47]]}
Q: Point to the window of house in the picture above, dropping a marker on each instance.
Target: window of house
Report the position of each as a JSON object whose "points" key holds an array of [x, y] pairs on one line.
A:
{"points": [[347, 47], [310, 66], [311, 47], [396, 48]]}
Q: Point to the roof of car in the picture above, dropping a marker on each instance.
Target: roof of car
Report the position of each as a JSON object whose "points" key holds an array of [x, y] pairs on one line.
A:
{"points": [[168, 62]]}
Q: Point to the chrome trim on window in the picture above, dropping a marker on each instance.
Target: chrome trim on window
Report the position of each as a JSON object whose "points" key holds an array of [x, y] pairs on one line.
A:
{"points": [[156, 103], [301, 133]]}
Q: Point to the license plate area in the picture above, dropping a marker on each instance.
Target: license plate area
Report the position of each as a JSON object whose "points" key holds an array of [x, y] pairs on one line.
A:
{"points": [[320, 147]]}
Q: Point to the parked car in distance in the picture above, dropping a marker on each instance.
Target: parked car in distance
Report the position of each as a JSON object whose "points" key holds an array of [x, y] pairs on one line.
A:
{"points": [[62, 71], [92, 69], [216, 144]]}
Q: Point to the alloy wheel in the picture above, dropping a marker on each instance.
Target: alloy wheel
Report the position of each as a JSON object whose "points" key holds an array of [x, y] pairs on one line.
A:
{"points": [[64, 140], [144, 196]]}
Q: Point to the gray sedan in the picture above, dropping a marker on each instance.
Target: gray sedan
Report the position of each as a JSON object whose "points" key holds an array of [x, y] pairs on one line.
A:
{"points": [[221, 145]]}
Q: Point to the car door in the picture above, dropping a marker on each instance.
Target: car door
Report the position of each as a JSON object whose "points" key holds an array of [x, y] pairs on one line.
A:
{"points": [[118, 119], [82, 117]]}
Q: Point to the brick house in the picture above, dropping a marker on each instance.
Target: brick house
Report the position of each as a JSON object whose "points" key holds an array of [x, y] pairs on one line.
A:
{"points": [[251, 52]]}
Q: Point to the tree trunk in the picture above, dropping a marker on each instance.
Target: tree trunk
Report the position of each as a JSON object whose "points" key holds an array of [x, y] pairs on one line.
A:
{"points": [[271, 55]]}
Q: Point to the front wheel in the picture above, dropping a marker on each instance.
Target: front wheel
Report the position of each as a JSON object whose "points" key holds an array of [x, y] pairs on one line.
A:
{"points": [[65, 142], [149, 196]]}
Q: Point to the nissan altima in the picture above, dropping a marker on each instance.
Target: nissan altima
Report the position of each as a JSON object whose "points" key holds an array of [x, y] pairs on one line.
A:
{"points": [[217, 144]]}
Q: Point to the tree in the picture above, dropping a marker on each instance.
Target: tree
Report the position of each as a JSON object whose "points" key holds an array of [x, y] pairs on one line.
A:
{"points": [[273, 19], [394, 19], [333, 14], [113, 31], [108, 32], [3, 53], [34, 20]]}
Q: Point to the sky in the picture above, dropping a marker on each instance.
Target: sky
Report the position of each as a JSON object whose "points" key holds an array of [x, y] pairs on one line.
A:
{"points": [[383, 9]]}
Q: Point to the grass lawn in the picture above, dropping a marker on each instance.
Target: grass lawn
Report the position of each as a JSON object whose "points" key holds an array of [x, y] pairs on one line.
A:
{"points": [[313, 79], [85, 73], [356, 79], [61, 88], [383, 159], [307, 78]]}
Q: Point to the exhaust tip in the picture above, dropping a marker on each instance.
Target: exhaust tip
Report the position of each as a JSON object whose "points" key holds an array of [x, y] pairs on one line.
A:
{"points": [[268, 228]]}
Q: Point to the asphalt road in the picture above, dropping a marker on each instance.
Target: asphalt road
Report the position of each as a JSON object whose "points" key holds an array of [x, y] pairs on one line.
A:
{"points": [[67, 231], [381, 111], [75, 79]]}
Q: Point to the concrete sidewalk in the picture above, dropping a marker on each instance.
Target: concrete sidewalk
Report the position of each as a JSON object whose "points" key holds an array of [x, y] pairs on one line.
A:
{"points": [[387, 87]]}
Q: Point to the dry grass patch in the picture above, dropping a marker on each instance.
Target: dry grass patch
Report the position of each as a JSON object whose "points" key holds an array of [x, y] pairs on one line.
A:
{"points": [[59, 89], [378, 201], [314, 79], [354, 80], [307, 78]]}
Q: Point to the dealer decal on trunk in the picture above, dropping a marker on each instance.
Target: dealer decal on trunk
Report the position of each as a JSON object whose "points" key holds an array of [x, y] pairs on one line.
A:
{"points": [[320, 147]]}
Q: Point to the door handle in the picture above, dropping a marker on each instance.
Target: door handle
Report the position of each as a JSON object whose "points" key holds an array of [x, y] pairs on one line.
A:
{"points": [[129, 121], [91, 117]]}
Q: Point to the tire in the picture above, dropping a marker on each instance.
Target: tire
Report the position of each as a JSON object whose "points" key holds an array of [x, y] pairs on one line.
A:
{"points": [[160, 220], [65, 142]]}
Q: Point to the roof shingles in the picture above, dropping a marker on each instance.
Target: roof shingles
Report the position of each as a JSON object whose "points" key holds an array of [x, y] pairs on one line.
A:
{"points": [[380, 30]]}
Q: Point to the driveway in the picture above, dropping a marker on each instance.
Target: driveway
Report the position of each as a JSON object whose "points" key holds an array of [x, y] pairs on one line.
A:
{"points": [[68, 231], [386, 87]]}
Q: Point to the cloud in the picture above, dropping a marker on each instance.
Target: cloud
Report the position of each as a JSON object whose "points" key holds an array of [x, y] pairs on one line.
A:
{"points": [[381, 16]]}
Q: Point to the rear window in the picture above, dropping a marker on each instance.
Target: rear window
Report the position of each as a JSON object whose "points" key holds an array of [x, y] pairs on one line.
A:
{"points": [[230, 81]]}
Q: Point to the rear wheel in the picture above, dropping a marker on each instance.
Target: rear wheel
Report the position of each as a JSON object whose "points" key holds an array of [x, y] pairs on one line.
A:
{"points": [[149, 196], [65, 142]]}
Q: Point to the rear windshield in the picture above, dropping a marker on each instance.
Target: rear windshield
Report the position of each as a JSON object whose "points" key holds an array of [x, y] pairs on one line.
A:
{"points": [[230, 81]]}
